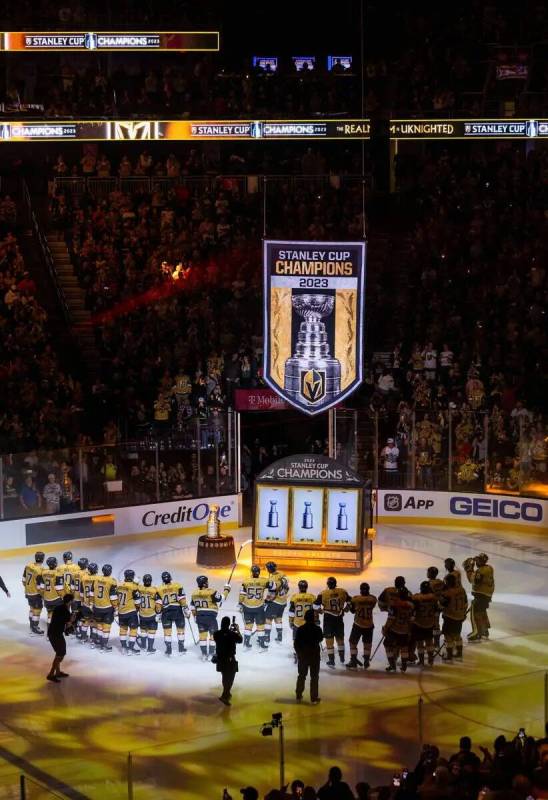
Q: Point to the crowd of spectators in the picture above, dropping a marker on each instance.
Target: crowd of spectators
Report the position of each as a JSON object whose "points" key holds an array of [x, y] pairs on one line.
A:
{"points": [[514, 769], [40, 404]]}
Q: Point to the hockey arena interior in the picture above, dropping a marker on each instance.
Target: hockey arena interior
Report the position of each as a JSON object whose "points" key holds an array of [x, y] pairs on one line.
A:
{"points": [[273, 427]]}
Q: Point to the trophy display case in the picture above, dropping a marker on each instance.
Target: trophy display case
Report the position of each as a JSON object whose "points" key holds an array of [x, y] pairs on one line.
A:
{"points": [[312, 513]]}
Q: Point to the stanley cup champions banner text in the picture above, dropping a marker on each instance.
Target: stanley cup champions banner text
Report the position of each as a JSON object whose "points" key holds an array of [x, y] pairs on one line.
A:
{"points": [[313, 321]]}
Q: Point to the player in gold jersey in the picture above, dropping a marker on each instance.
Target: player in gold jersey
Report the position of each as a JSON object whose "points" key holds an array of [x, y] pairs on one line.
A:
{"points": [[52, 586], [482, 577], [276, 601], [171, 602], [397, 629], [148, 622], [31, 574], [299, 603], [69, 570], [78, 593], [451, 569], [105, 601], [361, 605], [251, 601], [87, 623], [205, 604], [454, 603], [422, 629], [333, 602], [129, 601]]}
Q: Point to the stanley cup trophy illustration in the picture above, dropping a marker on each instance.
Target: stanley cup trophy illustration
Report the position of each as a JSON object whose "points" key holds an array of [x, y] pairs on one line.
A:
{"points": [[311, 374], [272, 515], [342, 519], [307, 516], [214, 548]]}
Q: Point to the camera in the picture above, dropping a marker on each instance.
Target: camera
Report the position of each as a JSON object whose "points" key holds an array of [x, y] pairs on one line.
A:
{"points": [[267, 728]]}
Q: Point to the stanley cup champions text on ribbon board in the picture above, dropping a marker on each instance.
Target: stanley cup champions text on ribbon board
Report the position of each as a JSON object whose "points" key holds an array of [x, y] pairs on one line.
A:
{"points": [[313, 321]]}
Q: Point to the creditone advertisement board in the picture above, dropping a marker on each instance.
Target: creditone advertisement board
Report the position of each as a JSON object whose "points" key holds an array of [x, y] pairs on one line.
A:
{"points": [[313, 308], [186, 516]]}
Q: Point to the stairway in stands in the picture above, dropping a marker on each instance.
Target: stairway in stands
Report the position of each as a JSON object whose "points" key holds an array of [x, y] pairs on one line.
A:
{"points": [[75, 297]]}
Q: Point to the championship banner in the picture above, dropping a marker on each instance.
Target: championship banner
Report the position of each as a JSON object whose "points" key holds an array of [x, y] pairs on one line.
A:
{"points": [[313, 321], [108, 41]]}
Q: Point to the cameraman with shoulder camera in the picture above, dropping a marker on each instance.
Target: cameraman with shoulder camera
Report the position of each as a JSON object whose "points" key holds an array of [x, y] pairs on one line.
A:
{"points": [[226, 640], [62, 621], [482, 577]]}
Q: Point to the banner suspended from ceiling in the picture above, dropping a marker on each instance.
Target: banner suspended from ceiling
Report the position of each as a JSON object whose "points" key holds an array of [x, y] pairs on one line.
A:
{"points": [[313, 321]]}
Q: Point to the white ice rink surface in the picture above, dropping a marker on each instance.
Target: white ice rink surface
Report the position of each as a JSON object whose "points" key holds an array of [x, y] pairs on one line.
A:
{"points": [[166, 713]]}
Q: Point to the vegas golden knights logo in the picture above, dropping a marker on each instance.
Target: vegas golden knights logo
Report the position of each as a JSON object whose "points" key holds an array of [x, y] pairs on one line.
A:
{"points": [[134, 131], [313, 385], [313, 321]]}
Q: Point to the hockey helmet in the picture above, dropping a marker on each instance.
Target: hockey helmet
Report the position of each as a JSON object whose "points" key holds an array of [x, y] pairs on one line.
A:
{"points": [[202, 581], [83, 563], [482, 558], [432, 572], [399, 583], [92, 568], [426, 588], [255, 570], [166, 577], [449, 564], [129, 575], [271, 566], [331, 583], [303, 586], [364, 589], [67, 556], [106, 570], [39, 557], [52, 562], [147, 580]]}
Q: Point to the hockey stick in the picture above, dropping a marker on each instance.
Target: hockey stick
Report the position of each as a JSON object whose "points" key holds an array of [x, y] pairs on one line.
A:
{"points": [[376, 648], [248, 541], [192, 630]]}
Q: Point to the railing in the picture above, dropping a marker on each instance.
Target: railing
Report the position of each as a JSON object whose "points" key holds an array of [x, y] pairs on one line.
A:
{"points": [[250, 184], [31, 789], [198, 460], [46, 253]]}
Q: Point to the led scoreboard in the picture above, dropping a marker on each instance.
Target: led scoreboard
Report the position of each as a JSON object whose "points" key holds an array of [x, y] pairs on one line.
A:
{"points": [[108, 41], [312, 513]]}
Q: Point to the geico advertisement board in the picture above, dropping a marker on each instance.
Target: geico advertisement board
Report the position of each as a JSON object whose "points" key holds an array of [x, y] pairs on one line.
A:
{"points": [[186, 515], [460, 508]]}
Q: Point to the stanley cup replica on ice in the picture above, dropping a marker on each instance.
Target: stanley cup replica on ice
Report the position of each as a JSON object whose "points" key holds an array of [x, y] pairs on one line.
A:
{"points": [[311, 374], [214, 548]]}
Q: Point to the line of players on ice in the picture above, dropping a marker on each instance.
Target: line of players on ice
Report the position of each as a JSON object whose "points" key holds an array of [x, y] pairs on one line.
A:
{"points": [[412, 628]]}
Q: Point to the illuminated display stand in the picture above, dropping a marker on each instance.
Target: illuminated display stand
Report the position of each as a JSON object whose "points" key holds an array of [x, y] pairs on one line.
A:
{"points": [[312, 513]]}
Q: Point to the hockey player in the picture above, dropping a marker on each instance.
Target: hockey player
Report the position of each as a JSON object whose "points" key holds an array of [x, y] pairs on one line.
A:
{"points": [[171, 602], [52, 586], [129, 600], [31, 574], [436, 585], [105, 602], [454, 604], [78, 592], [482, 577], [425, 617], [276, 601], [361, 605], [205, 604], [397, 629], [148, 620], [390, 592], [333, 602], [451, 569], [88, 620], [69, 571], [251, 601], [299, 603]]}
